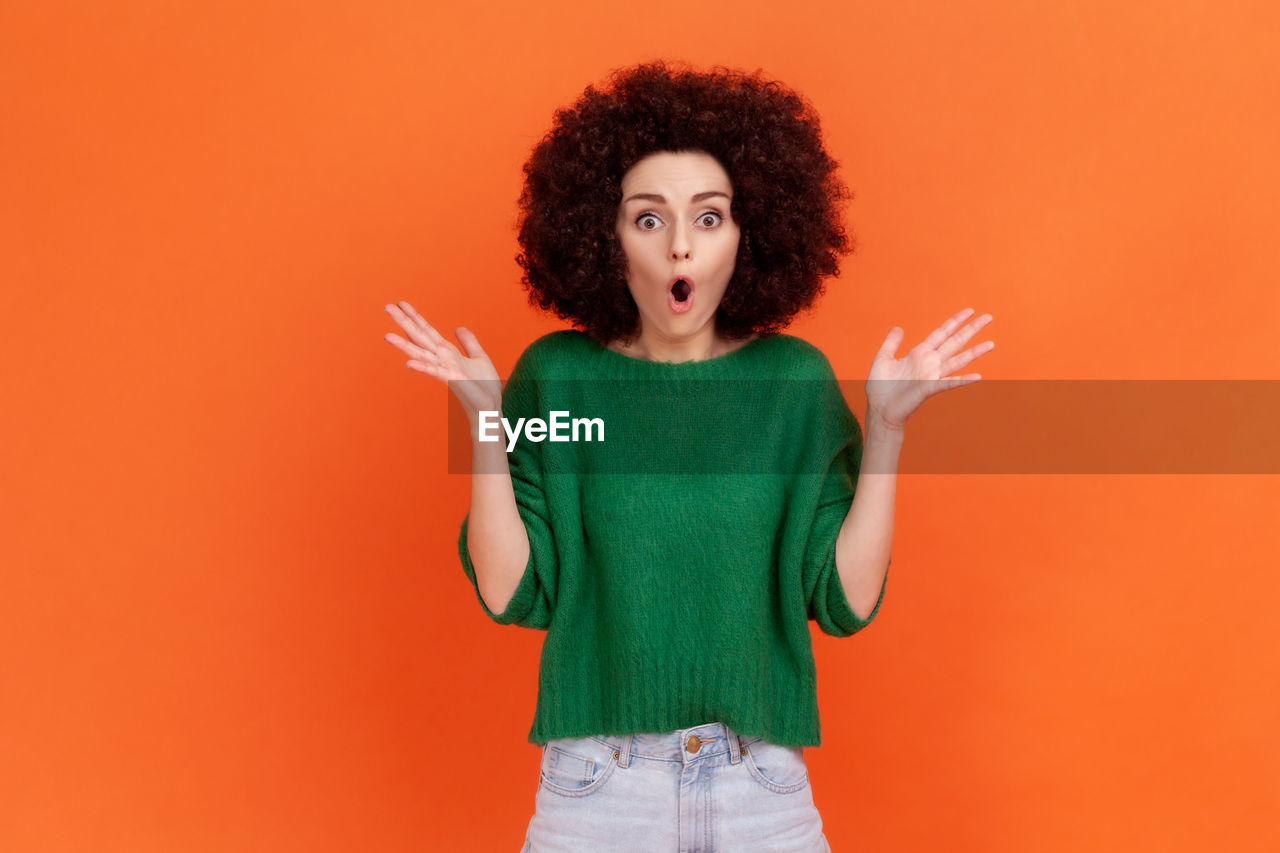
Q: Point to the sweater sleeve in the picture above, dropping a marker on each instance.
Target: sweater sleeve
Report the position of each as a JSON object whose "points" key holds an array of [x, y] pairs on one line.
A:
{"points": [[533, 603], [828, 605]]}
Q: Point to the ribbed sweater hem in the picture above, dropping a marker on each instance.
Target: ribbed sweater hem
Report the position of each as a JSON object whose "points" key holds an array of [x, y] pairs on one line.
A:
{"points": [[670, 696]]}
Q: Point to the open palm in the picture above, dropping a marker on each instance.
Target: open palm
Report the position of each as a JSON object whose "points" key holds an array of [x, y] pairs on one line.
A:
{"points": [[897, 386], [472, 377]]}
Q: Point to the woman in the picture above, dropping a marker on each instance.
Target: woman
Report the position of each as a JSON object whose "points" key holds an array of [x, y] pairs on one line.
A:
{"points": [[680, 220]]}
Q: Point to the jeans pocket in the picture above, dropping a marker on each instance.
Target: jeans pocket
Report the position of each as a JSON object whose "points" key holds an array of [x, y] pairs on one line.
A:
{"points": [[780, 769], [577, 767]]}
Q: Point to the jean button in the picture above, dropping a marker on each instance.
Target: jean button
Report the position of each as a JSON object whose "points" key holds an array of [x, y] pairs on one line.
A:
{"points": [[693, 744]]}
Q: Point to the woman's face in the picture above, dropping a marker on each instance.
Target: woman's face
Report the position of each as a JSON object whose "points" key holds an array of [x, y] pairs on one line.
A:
{"points": [[675, 226]]}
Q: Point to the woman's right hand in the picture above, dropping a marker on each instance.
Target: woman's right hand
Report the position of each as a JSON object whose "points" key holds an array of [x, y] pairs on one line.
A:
{"points": [[477, 386]]}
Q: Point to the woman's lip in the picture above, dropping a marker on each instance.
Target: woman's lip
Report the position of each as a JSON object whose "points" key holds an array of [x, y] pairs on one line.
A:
{"points": [[676, 305], [679, 307], [683, 278]]}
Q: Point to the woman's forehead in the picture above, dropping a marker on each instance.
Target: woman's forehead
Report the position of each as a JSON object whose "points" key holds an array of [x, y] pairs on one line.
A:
{"points": [[689, 172]]}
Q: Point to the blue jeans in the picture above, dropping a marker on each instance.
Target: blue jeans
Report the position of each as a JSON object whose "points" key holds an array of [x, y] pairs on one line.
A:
{"points": [[694, 790]]}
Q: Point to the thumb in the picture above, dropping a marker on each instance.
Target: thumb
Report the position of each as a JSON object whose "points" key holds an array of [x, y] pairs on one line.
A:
{"points": [[892, 341], [469, 343]]}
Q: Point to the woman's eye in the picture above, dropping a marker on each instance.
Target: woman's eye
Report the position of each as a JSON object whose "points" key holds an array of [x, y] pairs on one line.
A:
{"points": [[647, 221], [709, 219]]}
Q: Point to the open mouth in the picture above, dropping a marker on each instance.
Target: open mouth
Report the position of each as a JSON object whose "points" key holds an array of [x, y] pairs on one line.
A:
{"points": [[680, 294]]}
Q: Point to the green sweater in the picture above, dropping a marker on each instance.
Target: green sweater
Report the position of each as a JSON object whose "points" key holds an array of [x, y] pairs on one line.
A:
{"points": [[676, 564]]}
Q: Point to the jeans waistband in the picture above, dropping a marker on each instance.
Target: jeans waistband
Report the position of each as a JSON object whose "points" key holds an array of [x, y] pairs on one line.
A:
{"points": [[684, 745]]}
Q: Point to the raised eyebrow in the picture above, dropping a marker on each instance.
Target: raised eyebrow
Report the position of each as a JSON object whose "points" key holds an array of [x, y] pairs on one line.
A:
{"points": [[662, 199]]}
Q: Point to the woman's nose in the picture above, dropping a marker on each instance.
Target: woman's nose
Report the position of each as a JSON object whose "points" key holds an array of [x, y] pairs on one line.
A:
{"points": [[681, 249]]}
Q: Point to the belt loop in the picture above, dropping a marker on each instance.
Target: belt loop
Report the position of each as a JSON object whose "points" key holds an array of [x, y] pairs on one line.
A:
{"points": [[735, 746], [624, 752]]}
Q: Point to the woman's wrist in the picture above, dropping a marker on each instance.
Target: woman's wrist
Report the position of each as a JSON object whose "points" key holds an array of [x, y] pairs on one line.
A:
{"points": [[877, 428]]}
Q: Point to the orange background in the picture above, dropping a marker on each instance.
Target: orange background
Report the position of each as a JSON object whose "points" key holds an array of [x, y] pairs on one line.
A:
{"points": [[233, 617]]}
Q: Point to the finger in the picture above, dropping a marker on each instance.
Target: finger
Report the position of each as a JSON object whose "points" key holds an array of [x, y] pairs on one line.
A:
{"points": [[405, 346], [407, 310], [946, 383], [940, 334], [892, 341], [430, 330], [429, 369], [953, 364], [960, 338], [469, 343], [419, 329], [427, 353], [433, 347], [957, 381], [411, 327]]}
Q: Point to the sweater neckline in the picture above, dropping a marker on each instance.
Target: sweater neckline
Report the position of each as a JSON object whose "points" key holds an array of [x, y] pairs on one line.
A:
{"points": [[644, 365]]}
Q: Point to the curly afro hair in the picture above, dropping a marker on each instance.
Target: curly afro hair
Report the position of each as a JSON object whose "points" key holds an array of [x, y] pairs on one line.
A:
{"points": [[765, 136]]}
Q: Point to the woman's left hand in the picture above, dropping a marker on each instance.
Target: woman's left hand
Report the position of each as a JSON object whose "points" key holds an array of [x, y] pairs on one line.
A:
{"points": [[897, 386]]}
